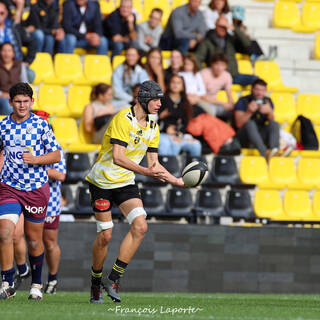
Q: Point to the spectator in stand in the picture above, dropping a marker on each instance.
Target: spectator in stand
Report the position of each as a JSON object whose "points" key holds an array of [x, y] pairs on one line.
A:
{"points": [[120, 27], [81, 22], [11, 72], [149, 32], [173, 119], [216, 78], [254, 51], [185, 28], [254, 118], [125, 77], [97, 114], [43, 24], [214, 10], [14, 33], [176, 64], [220, 41], [195, 88], [154, 67]]}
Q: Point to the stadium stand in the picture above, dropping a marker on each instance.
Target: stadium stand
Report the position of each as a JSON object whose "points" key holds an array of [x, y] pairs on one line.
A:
{"points": [[238, 204]]}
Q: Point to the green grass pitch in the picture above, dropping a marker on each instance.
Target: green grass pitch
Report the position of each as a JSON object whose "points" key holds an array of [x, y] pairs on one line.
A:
{"points": [[75, 305]]}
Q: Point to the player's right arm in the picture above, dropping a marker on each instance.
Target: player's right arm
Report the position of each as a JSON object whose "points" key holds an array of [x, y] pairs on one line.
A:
{"points": [[120, 159]]}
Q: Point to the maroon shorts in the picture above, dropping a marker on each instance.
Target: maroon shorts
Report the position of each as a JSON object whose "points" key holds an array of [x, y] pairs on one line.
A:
{"points": [[52, 222], [33, 203]]}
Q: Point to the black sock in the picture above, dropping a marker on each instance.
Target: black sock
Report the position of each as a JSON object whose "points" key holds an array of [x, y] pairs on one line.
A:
{"points": [[118, 270], [96, 276]]}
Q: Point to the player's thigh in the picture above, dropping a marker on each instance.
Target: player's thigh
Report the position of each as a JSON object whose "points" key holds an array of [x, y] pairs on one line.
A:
{"points": [[33, 230], [50, 236], [127, 206], [19, 231]]}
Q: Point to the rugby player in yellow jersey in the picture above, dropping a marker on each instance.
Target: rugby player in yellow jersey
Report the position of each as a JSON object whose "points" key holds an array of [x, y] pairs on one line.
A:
{"points": [[130, 135]]}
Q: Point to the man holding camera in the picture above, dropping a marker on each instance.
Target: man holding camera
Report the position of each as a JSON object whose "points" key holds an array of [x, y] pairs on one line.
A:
{"points": [[254, 118]]}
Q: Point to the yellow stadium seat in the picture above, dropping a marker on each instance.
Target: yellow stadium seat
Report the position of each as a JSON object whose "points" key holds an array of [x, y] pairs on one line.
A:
{"points": [[254, 170], [308, 105], [106, 6], [97, 68], [268, 204], [35, 98], [43, 67], [284, 107], [282, 173], [222, 96], [270, 72], [245, 67], [86, 138], [297, 206], [317, 47], [311, 15], [117, 60], [68, 69], [66, 132], [286, 14], [178, 3], [162, 4], [2, 116], [250, 152], [309, 172], [52, 100], [316, 205], [78, 98]]}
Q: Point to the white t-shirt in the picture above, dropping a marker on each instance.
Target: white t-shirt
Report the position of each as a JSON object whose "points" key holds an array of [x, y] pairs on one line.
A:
{"points": [[211, 16], [83, 28], [194, 83]]}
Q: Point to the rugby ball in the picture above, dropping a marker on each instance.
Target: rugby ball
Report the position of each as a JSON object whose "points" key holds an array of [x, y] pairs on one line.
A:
{"points": [[194, 174]]}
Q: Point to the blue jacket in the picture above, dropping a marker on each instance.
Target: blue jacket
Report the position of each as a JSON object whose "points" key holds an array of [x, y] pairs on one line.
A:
{"points": [[72, 18]]}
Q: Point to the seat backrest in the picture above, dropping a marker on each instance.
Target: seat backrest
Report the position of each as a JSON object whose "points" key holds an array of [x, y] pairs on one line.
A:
{"points": [[78, 165], [117, 60], [52, 99], [238, 204], [171, 164], [209, 202], [179, 201], [284, 107], [78, 98], [97, 68], [65, 130], [224, 170], [268, 204], [310, 14], [268, 71], [282, 170], [42, 65], [286, 14], [152, 200], [245, 67], [83, 201], [308, 171], [253, 170], [297, 205], [68, 66], [162, 4]]}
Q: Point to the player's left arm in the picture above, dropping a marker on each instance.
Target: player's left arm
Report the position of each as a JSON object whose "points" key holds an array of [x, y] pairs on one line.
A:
{"points": [[153, 162], [54, 174]]}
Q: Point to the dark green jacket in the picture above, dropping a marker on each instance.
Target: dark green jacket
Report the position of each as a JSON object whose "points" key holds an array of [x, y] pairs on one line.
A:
{"points": [[208, 47]]}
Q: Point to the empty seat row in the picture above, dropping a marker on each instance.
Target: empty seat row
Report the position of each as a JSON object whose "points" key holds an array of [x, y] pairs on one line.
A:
{"points": [[178, 202], [287, 14], [281, 172], [296, 205]]}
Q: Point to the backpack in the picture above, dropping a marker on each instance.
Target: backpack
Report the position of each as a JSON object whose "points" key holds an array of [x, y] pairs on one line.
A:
{"points": [[303, 131]]}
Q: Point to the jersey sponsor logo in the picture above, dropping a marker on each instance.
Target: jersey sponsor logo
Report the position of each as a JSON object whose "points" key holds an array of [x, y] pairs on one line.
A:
{"points": [[50, 219], [102, 204], [16, 153], [139, 133], [35, 210]]}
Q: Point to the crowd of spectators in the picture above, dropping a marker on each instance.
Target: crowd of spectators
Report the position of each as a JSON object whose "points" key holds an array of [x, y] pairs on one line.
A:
{"points": [[203, 46]]}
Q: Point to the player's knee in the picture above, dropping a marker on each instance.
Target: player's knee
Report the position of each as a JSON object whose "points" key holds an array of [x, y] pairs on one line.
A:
{"points": [[139, 227], [105, 237], [6, 235], [49, 244], [33, 244]]}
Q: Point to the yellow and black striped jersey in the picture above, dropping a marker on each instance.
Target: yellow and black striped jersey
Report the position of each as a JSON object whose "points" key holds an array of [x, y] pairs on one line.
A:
{"points": [[124, 130]]}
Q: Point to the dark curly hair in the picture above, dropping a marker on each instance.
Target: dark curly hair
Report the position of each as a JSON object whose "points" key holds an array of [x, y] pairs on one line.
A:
{"points": [[20, 88]]}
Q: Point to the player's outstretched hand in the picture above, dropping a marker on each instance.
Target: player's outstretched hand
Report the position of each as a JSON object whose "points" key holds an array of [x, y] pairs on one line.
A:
{"points": [[156, 173], [27, 157]]}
